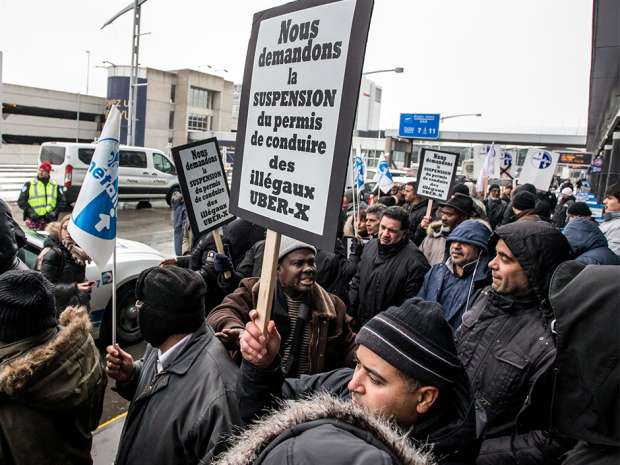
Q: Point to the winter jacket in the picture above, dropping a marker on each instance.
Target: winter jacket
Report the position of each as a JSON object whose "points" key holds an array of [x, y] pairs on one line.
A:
{"points": [[561, 211], [323, 430], [51, 395], [587, 370], [434, 244], [201, 261], [185, 412], [332, 342], [416, 215], [506, 347], [62, 270], [589, 243], [241, 234], [11, 239], [611, 229], [386, 276], [449, 430], [495, 211], [456, 293]]}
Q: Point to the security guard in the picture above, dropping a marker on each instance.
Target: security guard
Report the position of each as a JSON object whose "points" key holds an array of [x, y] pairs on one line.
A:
{"points": [[41, 199]]}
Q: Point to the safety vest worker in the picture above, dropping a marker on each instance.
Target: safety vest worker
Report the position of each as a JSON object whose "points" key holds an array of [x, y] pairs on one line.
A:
{"points": [[40, 199]]}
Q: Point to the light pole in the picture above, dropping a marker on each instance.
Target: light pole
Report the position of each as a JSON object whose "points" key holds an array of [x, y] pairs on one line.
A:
{"points": [[87, 69], [133, 79], [460, 115]]}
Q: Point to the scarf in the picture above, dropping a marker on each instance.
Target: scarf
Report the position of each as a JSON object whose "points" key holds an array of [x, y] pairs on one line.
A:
{"points": [[77, 254]]}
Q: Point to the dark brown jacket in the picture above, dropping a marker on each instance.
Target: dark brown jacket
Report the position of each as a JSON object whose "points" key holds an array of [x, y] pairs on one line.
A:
{"points": [[332, 344], [51, 395]]}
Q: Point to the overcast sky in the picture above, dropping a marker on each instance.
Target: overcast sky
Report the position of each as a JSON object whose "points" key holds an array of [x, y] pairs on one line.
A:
{"points": [[523, 64]]}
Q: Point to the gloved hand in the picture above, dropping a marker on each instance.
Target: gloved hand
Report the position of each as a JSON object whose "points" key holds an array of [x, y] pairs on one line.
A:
{"points": [[356, 247], [222, 263]]}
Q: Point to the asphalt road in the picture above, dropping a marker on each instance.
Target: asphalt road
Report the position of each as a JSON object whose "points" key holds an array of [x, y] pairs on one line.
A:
{"points": [[151, 226]]}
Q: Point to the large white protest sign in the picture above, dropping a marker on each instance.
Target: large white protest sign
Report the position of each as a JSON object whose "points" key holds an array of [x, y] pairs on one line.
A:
{"points": [[538, 168], [299, 95], [436, 174], [203, 182]]}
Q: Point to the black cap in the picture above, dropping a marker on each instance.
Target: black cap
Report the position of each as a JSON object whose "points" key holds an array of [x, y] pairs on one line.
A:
{"points": [[579, 209], [175, 294], [524, 200], [27, 305], [416, 339], [460, 202]]}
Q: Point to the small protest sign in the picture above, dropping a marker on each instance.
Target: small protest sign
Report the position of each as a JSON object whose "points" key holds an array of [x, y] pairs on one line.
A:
{"points": [[299, 96], [436, 174], [538, 168], [203, 184]]}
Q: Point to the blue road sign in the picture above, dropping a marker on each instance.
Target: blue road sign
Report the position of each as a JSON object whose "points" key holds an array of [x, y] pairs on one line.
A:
{"points": [[419, 125]]}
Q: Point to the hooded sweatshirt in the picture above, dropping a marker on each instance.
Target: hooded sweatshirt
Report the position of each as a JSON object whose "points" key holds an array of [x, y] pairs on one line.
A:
{"points": [[589, 243], [51, 395]]}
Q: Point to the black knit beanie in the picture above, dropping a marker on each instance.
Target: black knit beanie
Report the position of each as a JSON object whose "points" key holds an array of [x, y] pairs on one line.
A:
{"points": [[416, 339], [27, 305], [579, 209], [172, 302], [524, 200]]}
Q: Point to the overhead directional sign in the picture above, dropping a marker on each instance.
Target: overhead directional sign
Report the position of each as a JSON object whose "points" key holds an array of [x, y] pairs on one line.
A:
{"points": [[419, 125]]}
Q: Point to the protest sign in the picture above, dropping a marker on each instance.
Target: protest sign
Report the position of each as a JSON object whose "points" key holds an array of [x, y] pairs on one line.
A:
{"points": [[203, 183], [298, 101], [538, 168], [436, 174]]}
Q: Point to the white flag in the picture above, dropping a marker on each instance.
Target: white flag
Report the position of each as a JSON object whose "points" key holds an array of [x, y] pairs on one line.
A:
{"points": [[93, 221], [383, 177], [487, 169]]}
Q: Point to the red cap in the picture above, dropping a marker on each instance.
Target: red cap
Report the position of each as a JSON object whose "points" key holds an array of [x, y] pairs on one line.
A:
{"points": [[45, 165]]}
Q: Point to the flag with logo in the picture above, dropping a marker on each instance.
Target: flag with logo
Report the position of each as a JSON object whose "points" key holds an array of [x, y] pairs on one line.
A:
{"points": [[487, 170], [359, 171], [383, 177], [93, 221], [538, 168]]}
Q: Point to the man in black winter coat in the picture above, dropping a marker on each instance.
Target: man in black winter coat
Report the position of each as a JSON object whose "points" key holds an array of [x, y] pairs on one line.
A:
{"points": [[183, 396], [407, 373], [506, 346], [391, 269], [12, 238]]}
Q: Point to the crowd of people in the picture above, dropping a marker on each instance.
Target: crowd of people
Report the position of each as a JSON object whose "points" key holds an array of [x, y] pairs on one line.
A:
{"points": [[480, 331]]}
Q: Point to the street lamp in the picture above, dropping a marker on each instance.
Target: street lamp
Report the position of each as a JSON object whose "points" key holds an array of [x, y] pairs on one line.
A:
{"points": [[110, 63], [87, 70], [398, 70], [459, 115]]}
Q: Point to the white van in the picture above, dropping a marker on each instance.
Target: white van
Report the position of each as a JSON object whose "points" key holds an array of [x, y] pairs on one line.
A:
{"points": [[144, 174]]}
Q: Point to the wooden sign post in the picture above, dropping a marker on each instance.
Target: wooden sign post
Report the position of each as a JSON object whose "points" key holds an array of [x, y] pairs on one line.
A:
{"points": [[268, 278]]}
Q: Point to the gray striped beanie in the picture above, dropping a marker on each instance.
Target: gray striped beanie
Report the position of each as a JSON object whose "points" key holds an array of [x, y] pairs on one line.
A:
{"points": [[416, 339]]}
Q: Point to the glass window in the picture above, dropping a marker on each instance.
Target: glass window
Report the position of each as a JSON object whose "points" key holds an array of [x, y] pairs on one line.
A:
{"points": [[378, 95], [55, 155], [171, 120], [131, 159], [198, 122], [201, 98], [162, 164], [86, 155], [173, 90]]}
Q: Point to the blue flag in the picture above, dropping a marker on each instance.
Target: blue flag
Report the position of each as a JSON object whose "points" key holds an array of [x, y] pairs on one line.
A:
{"points": [[383, 177], [359, 171]]}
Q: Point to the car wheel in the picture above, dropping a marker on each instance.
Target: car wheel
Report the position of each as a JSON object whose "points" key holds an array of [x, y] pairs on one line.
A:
{"points": [[127, 328], [142, 204]]}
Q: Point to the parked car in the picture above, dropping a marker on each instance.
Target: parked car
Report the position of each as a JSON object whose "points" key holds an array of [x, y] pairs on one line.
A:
{"points": [[131, 258], [144, 174]]}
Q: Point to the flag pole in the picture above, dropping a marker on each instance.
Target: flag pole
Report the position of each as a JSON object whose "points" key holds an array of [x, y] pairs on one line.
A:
{"points": [[114, 296], [353, 186]]}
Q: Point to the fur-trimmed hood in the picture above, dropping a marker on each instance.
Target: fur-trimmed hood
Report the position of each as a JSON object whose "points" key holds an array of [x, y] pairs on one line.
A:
{"points": [[353, 425], [54, 370]]}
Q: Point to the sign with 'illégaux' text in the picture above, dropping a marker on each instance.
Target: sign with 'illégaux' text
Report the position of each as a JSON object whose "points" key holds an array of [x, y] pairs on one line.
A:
{"points": [[203, 183], [436, 174], [419, 125], [299, 95]]}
